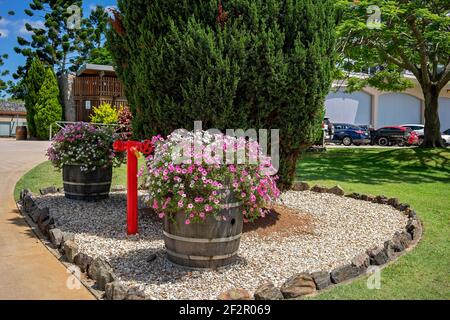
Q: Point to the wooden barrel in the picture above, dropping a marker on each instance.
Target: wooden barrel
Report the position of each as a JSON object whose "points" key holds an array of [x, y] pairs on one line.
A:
{"points": [[86, 185], [21, 133], [207, 245]]}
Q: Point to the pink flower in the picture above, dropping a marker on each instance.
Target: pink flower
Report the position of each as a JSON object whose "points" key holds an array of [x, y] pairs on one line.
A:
{"points": [[187, 221], [199, 199], [191, 215], [190, 205], [202, 215], [180, 204], [243, 194], [161, 215], [236, 185], [155, 204], [208, 208]]}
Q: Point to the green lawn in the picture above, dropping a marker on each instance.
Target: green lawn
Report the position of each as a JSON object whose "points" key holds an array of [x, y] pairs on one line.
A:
{"points": [[418, 177], [45, 175], [415, 176]]}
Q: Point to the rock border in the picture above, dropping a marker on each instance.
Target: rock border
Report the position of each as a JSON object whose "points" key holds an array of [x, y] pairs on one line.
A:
{"points": [[304, 285], [94, 274], [98, 277]]}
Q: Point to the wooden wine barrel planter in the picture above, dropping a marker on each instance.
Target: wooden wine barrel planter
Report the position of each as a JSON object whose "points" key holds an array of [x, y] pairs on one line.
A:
{"points": [[86, 185], [211, 244], [21, 133]]}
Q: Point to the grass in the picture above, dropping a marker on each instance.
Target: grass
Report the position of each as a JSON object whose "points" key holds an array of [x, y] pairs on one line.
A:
{"points": [[45, 175], [415, 176]]}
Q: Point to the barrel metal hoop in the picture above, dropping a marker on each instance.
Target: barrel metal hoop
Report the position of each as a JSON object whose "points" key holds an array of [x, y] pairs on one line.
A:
{"points": [[200, 240], [201, 258], [87, 183], [231, 205], [86, 195]]}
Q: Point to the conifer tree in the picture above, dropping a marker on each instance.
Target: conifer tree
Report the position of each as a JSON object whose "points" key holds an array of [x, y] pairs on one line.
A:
{"points": [[48, 109], [231, 64], [32, 85]]}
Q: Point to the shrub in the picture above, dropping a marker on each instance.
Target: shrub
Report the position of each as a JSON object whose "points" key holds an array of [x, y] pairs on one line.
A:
{"points": [[48, 109], [258, 64], [194, 186], [86, 145], [125, 126], [105, 114], [33, 81]]}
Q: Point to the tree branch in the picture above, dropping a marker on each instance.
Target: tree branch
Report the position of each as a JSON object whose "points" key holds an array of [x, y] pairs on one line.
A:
{"points": [[422, 48], [445, 78]]}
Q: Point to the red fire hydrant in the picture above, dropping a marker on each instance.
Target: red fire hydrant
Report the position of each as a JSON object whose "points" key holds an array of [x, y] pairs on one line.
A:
{"points": [[133, 148]]}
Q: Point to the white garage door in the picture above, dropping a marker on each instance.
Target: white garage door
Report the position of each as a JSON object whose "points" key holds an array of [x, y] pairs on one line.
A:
{"points": [[398, 108], [444, 113], [353, 108]]}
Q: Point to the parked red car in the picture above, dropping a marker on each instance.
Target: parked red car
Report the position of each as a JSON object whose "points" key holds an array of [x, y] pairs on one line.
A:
{"points": [[394, 135]]}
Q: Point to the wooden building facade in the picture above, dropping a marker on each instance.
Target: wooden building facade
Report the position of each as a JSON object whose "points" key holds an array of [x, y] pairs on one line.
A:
{"points": [[94, 85]]}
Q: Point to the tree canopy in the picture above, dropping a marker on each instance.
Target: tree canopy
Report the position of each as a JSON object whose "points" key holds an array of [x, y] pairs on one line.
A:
{"points": [[247, 64], [398, 36]]}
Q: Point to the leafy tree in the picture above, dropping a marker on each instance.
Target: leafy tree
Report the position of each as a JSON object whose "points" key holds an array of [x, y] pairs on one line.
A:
{"points": [[31, 86], [412, 36], [48, 109], [58, 42], [247, 64]]}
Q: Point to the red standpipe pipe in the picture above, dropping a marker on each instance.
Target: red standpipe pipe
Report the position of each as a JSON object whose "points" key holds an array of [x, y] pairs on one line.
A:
{"points": [[132, 192]]}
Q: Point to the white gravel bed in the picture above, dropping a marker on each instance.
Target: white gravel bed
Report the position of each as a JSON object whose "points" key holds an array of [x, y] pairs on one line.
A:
{"points": [[342, 228]]}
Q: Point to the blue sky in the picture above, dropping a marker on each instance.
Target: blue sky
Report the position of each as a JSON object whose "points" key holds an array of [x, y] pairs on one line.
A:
{"points": [[13, 26]]}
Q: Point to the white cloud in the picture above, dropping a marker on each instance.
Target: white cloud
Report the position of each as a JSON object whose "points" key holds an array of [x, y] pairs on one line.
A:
{"points": [[4, 33], [4, 23], [34, 24]]}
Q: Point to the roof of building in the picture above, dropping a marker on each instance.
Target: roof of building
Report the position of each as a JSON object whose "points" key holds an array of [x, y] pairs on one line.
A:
{"points": [[12, 107], [90, 68]]}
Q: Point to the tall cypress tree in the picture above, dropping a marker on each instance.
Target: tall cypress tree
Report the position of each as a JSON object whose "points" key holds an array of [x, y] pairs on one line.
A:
{"points": [[32, 83], [241, 64], [48, 109]]}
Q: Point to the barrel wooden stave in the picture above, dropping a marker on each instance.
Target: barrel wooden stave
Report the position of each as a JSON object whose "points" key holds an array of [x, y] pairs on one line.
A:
{"points": [[207, 245], [21, 133], [86, 185]]}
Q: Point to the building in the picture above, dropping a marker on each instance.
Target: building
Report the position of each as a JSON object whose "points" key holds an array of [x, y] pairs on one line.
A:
{"points": [[12, 114], [376, 108], [92, 85]]}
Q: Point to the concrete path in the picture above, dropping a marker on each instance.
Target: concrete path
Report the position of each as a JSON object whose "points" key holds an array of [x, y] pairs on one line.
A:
{"points": [[28, 271]]}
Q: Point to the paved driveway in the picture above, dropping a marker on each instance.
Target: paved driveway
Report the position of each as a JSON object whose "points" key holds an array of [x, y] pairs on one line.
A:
{"points": [[27, 269]]}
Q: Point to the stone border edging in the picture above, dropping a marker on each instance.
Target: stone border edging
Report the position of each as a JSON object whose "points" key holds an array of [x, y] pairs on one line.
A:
{"points": [[94, 274], [309, 284], [63, 247]]}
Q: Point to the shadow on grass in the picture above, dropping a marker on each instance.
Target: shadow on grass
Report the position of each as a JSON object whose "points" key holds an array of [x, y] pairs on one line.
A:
{"points": [[372, 166]]}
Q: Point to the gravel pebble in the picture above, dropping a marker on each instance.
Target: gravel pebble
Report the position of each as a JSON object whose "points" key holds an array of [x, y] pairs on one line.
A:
{"points": [[343, 228]]}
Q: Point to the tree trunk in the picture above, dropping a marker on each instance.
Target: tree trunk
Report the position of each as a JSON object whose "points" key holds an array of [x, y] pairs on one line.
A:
{"points": [[432, 138]]}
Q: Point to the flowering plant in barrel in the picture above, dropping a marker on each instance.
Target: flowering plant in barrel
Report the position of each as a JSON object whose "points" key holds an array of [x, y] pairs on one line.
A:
{"points": [[85, 154], [205, 186]]}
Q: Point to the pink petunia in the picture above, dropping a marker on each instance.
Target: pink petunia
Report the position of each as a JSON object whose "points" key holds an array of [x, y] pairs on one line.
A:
{"points": [[187, 222]]}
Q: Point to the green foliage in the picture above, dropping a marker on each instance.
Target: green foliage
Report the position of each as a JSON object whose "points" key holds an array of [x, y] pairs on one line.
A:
{"points": [[58, 44], [105, 114], [100, 56], [32, 84], [412, 36], [48, 109], [268, 65]]}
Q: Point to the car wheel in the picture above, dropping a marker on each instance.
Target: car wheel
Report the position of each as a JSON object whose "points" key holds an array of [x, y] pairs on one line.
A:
{"points": [[402, 143], [383, 141], [347, 141], [420, 141]]}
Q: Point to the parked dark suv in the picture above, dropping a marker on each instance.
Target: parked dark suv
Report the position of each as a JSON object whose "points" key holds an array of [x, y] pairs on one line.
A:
{"points": [[394, 135], [349, 134]]}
